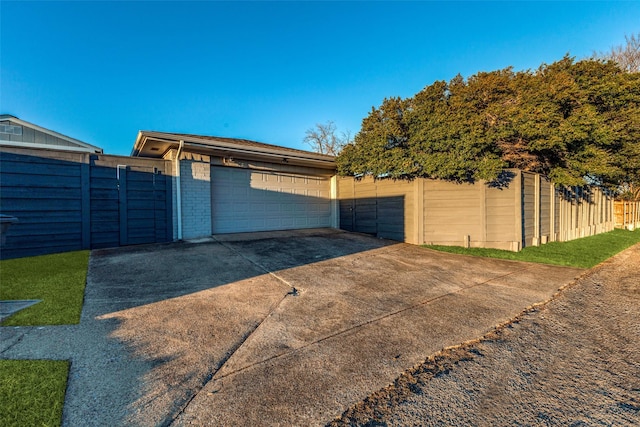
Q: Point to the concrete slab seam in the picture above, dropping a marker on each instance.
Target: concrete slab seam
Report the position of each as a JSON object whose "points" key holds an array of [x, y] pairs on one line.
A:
{"points": [[368, 322], [172, 418]]}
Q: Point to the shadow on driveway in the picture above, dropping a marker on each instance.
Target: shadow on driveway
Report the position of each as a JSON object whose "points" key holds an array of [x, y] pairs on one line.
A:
{"points": [[126, 277], [212, 334]]}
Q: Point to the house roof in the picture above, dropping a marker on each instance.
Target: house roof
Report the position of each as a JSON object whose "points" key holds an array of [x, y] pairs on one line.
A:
{"points": [[47, 138], [157, 144]]}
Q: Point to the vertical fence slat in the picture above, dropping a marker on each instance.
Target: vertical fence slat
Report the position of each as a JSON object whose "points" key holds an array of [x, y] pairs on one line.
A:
{"points": [[85, 189], [122, 205]]}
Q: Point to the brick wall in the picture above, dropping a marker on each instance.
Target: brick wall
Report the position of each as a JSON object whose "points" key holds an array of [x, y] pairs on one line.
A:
{"points": [[195, 182]]}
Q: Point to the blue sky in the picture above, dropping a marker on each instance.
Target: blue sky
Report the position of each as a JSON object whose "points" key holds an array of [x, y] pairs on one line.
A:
{"points": [[266, 71]]}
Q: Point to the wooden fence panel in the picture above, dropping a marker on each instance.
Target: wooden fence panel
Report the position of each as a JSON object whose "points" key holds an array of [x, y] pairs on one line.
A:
{"points": [[70, 201], [346, 203], [105, 207], [452, 212], [627, 214], [503, 213], [583, 212], [546, 209], [520, 209], [46, 196], [396, 210], [365, 207]]}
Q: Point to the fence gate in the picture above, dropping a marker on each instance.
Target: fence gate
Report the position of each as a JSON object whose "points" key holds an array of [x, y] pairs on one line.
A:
{"points": [[376, 208], [143, 206], [358, 207], [67, 201]]}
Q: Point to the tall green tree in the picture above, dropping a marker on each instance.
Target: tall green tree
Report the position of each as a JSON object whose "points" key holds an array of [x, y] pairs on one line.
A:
{"points": [[576, 122]]}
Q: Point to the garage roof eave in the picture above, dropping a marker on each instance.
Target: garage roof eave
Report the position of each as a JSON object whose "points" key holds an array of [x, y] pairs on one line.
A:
{"points": [[161, 142]]}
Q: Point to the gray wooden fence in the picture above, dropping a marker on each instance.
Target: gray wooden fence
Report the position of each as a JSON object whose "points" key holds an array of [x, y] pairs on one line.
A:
{"points": [[521, 209], [68, 201]]}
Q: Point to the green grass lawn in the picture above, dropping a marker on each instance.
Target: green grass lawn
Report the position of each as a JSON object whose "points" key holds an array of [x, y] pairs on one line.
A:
{"points": [[585, 253], [58, 280], [32, 392]]}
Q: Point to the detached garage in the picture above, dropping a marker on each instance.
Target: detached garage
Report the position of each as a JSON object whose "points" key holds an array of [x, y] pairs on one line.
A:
{"points": [[225, 185]]}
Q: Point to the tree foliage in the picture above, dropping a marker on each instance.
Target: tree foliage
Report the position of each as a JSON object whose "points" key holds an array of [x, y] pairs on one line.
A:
{"points": [[323, 139], [577, 122]]}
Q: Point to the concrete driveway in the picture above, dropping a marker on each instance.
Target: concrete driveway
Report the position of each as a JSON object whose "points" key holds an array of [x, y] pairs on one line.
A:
{"points": [[271, 328]]}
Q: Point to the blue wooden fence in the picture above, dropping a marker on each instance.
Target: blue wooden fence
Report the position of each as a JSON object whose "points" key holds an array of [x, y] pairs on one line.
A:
{"points": [[71, 201]]}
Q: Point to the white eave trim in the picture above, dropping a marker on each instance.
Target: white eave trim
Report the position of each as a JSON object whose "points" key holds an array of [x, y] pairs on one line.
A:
{"points": [[231, 148], [21, 144]]}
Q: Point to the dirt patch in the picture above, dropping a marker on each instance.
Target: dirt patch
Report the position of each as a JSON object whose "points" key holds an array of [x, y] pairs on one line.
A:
{"points": [[574, 360]]}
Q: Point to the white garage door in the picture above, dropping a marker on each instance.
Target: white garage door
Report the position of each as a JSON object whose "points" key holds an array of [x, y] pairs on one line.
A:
{"points": [[247, 200]]}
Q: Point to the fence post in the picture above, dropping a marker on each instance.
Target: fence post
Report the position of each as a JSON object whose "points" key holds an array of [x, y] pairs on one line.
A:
{"points": [[552, 212], [519, 202], [483, 212], [122, 203], [419, 207], [536, 210]]}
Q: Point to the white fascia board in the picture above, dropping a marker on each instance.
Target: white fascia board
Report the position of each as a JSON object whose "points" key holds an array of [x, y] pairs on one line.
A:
{"points": [[218, 144]]}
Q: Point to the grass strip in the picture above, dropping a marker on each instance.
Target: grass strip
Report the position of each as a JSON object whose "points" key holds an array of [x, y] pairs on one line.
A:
{"points": [[32, 392], [58, 280], [586, 252]]}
